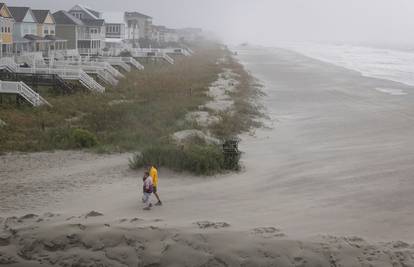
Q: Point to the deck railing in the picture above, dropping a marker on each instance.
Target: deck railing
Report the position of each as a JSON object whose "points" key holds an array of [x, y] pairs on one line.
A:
{"points": [[133, 62], [104, 70], [8, 64], [23, 90], [68, 74], [90, 51], [151, 53]]}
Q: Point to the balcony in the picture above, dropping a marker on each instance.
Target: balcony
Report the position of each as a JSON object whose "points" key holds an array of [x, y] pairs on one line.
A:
{"points": [[114, 35], [91, 36], [90, 51]]}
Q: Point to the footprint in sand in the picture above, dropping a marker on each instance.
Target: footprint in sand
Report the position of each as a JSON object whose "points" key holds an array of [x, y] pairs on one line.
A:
{"points": [[7, 259], [268, 232], [398, 245], [50, 215], [215, 225], [5, 238], [79, 225], [27, 217], [93, 214], [135, 220]]}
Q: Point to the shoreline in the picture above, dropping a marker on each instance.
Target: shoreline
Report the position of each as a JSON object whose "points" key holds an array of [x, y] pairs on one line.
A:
{"points": [[361, 69]]}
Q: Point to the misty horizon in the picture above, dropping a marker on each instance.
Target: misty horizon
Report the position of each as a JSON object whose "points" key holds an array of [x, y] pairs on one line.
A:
{"points": [[269, 22]]}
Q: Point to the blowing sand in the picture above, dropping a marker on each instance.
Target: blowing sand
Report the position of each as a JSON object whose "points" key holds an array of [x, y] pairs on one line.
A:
{"points": [[329, 184]]}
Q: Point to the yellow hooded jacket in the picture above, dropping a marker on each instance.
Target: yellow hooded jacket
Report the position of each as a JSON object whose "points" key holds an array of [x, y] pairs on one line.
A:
{"points": [[154, 174]]}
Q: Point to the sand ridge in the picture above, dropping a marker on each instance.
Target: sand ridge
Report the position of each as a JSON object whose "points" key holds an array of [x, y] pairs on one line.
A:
{"points": [[95, 240]]}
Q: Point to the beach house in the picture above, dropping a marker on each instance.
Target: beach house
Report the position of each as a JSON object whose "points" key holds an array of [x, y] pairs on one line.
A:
{"points": [[189, 34], [6, 23], [46, 28], [158, 34], [163, 36], [139, 27], [115, 31], [115, 25], [69, 28], [171, 36], [25, 38], [91, 41], [45, 22]]}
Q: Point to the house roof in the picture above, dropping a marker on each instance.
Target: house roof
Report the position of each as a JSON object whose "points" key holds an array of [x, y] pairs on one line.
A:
{"points": [[33, 37], [114, 17], [40, 15], [94, 22], [63, 17], [19, 12], [96, 13], [93, 13], [8, 11], [54, 38], [19, 39], [137, 14]]}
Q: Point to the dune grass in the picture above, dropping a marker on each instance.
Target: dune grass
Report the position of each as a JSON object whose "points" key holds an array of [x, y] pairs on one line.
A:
{"points": [[197, 158], [140, 114], [145, 107], [247, 113]]}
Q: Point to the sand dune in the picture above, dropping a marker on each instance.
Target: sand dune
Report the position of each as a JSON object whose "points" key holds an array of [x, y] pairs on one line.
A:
{"points": [[328, 184], [95, 240]]}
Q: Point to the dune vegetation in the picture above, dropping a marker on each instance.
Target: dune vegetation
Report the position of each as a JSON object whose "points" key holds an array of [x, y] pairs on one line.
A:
{"points": [[140, 114]]}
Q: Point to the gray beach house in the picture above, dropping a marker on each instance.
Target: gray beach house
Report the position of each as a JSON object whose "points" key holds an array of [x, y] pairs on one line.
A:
{"points": [[91, 41]]}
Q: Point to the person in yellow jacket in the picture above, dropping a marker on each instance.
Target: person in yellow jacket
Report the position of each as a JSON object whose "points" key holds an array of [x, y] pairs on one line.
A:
{"points": [[153, 172]]}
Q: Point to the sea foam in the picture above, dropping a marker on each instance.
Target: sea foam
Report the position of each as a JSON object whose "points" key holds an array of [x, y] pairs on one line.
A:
{"points": [[388, 64]]}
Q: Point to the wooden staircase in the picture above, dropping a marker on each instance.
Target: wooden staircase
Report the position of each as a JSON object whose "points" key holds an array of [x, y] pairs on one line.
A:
{"points": [[20, 88], [35, 80], [68, 74]]}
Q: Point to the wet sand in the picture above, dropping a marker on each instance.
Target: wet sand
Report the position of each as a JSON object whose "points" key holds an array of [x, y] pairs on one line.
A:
{"points": [[328, 184]]}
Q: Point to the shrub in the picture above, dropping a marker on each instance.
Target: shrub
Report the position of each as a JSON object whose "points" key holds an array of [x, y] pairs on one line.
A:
{"points": [[198, 159], [83, 138], [125, 53], [67, 138], [58, 138]]}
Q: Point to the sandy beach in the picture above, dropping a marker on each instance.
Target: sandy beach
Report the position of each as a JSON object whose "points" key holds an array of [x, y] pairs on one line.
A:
{"points": [[327, 183]]}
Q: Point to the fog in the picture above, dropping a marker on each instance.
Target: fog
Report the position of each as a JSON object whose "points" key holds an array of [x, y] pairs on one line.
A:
{"points": [[270, 21]]}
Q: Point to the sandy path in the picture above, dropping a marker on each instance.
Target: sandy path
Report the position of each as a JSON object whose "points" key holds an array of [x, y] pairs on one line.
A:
{"points": [[338, 161], [40, 181]]}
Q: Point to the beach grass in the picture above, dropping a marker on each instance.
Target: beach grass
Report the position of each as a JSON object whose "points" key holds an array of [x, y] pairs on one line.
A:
{"points": [[247, 114], [145, 107], [140, 114]]}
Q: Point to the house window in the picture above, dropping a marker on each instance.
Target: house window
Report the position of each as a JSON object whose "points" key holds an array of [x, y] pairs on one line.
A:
{"points": [[2, 29], [77, 15], [46, 31], [52, 32]]}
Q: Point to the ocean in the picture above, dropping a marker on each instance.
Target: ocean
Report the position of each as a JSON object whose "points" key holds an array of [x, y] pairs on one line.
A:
{"points": [[389, 64]]}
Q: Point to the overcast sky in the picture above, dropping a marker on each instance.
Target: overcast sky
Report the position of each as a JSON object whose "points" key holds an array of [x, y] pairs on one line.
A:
{"points": [[269, 21]]}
